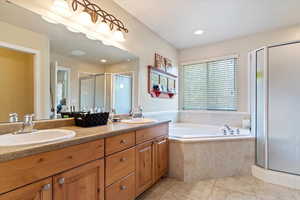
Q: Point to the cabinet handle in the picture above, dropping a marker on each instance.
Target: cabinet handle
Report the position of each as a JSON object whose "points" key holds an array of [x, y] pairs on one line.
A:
{"points": [[61, 181], [123, 187], [122, 159], [46, 187], [123, 142]]}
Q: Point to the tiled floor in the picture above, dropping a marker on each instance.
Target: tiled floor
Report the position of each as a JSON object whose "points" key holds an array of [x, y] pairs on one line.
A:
{"points": [[231, 188]]}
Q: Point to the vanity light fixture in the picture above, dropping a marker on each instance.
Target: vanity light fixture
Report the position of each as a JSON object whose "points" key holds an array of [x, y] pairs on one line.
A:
{"points": [[103, 60], [93, 13], [61, 7], [84, 18], [118, 36], [103, 27]]}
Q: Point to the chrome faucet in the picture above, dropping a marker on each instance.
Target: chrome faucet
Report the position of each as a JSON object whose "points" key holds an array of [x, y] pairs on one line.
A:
{"points": [[141, 111], [28, 125], [13, 117], [227, 128]]}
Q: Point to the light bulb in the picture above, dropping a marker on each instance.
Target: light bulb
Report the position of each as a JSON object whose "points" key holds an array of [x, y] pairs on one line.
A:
{"points": [[118, 36], [84, 18], [61, 7], [103, 27]]}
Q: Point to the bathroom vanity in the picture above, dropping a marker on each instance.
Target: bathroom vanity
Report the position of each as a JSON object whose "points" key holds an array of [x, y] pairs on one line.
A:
{"points": [[113, 162]]}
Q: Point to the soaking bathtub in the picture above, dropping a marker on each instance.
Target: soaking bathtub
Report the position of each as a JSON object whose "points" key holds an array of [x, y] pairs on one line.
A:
{"points": [[200, 152], [192, 131]]}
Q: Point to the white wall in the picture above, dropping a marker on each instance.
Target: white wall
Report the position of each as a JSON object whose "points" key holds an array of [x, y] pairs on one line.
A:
{"points": [[240, 46]]}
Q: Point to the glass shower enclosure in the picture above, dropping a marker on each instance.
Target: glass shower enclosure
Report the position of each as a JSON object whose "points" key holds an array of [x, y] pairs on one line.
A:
{"points": [[275, 106]]}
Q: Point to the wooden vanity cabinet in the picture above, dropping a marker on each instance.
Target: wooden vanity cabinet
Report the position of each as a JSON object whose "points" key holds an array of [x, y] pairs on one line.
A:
{"points": [[161, 157], [81, 183], [144, 166], [152, 157], [41, 190], [115, 168]]}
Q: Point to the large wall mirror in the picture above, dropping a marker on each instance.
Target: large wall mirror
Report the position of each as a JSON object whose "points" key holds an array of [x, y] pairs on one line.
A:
{"points": [[48, 70]]}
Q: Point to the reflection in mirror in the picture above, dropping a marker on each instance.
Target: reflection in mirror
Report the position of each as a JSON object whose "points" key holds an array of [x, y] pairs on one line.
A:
{"points": [[122, 92], [16, 83], [47, 70]]}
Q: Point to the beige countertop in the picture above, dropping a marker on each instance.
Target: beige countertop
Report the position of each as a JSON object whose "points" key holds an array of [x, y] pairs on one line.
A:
{"points": [[82, 135]]}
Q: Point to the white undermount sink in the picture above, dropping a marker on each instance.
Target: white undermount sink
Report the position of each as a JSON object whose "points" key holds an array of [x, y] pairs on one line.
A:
{"points": [[138, 121], [41, 136]]}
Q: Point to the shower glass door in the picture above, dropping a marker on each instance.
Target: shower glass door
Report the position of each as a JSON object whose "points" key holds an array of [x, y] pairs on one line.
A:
{"points": [[260, 111], [284, 108]]}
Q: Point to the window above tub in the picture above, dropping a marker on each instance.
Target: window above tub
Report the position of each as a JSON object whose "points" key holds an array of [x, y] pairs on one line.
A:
{"points": [[210, 85]]}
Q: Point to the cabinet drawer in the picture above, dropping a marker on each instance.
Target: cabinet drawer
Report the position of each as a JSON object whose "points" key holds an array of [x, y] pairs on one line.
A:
{"points": [[19, 172], [41, 190], [119, 165], [123, 189], [119, 143], [150, 133]]}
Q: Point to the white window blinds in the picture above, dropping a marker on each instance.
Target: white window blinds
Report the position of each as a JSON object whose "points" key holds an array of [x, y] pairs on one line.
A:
{"points": [[210, 85]]}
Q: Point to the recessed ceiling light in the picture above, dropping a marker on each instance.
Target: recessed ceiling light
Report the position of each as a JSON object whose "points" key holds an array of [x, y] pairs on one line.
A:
{"points": [[198, 32], [78, 53], [103, 60]]}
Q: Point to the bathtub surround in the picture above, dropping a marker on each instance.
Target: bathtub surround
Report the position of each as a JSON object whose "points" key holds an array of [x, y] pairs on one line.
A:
{"points": [[194, 161], [215, 118]]}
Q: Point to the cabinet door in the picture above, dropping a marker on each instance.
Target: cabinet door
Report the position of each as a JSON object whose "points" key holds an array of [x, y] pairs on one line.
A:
{"points": [[144, 167], [41, 190], [161, 147], [82, 183]]}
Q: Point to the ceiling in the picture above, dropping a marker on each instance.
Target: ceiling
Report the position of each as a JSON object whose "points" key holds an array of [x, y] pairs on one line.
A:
{"points": [[176, 20], [62, 41]]}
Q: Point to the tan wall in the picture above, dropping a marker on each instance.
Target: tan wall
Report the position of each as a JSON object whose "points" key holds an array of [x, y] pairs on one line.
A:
{"points": [[240, 46], [24, 38], [16, 81]]}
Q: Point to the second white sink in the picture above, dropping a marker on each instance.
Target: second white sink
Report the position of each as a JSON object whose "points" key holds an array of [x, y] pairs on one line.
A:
{"points": [[38, 137]]}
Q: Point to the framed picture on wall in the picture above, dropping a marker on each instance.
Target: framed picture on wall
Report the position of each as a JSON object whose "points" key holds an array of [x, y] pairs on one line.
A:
{"points": [[171, 85], [160, 62], [154, 80], [163, 80]]}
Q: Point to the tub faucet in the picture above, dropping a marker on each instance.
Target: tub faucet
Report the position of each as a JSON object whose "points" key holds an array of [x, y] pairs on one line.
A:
{"points": [[230, 130]]}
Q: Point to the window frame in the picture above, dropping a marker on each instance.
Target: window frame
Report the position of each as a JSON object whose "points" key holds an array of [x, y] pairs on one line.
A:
{"points": [[181, 84]]}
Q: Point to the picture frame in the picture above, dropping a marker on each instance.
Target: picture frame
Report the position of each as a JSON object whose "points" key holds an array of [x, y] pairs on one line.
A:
{"points": [[171, 85], [154, 80], [163, 81]]}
